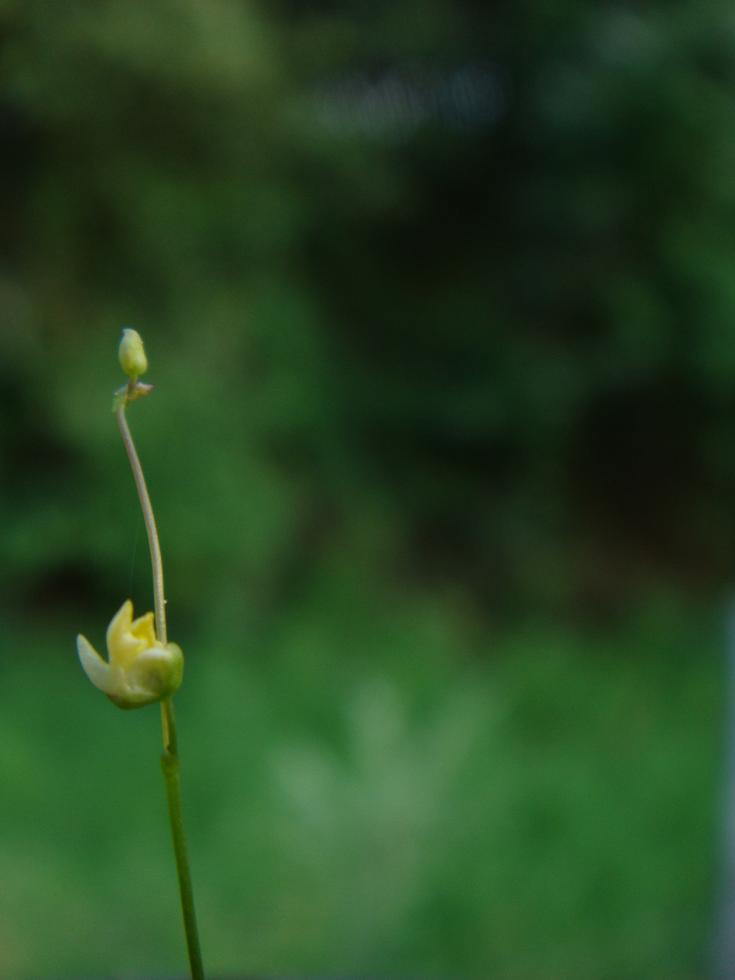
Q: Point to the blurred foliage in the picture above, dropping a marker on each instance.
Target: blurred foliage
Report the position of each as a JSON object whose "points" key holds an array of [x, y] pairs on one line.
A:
{"points": [[438, 300], [461, 277], [390, 815]]}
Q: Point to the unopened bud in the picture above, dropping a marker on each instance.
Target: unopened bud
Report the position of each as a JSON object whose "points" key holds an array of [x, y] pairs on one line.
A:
{"points": [[132, 354]]}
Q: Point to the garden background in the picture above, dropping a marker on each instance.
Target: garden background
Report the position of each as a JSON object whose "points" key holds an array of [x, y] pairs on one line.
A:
{"points": [[439, 301]]}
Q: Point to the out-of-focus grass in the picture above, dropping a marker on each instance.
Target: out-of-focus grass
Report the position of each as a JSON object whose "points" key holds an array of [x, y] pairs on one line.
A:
{"points": [[394, 795]]}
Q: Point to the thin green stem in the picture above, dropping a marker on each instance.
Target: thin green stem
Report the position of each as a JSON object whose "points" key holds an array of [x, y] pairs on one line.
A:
{"points": [[172, 775], [170, 758], [159, 600]]}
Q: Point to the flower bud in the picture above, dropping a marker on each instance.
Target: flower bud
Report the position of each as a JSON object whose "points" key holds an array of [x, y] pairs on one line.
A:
{"points": [[140, 669], [132, 354]]}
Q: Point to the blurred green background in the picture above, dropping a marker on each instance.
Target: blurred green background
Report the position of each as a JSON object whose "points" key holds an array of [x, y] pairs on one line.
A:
{"points": [[439, 300]]}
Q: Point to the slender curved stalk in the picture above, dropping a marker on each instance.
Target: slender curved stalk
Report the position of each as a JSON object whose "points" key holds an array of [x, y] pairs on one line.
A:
{"points": [[170, 758], [150, 522]]}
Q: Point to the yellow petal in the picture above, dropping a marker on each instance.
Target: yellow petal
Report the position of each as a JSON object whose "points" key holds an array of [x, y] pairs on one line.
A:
{"points": [[96, 669], [120, 624], [143, 629], [122, 645]]}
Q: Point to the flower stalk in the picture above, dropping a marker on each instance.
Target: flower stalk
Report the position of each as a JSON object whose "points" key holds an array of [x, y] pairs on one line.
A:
{"points": [[142, 666], [170, 763]]}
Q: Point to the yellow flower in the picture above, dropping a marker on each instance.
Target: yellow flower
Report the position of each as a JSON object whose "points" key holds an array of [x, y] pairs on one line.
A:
{"points": [[140, 669], [132, 354]]}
